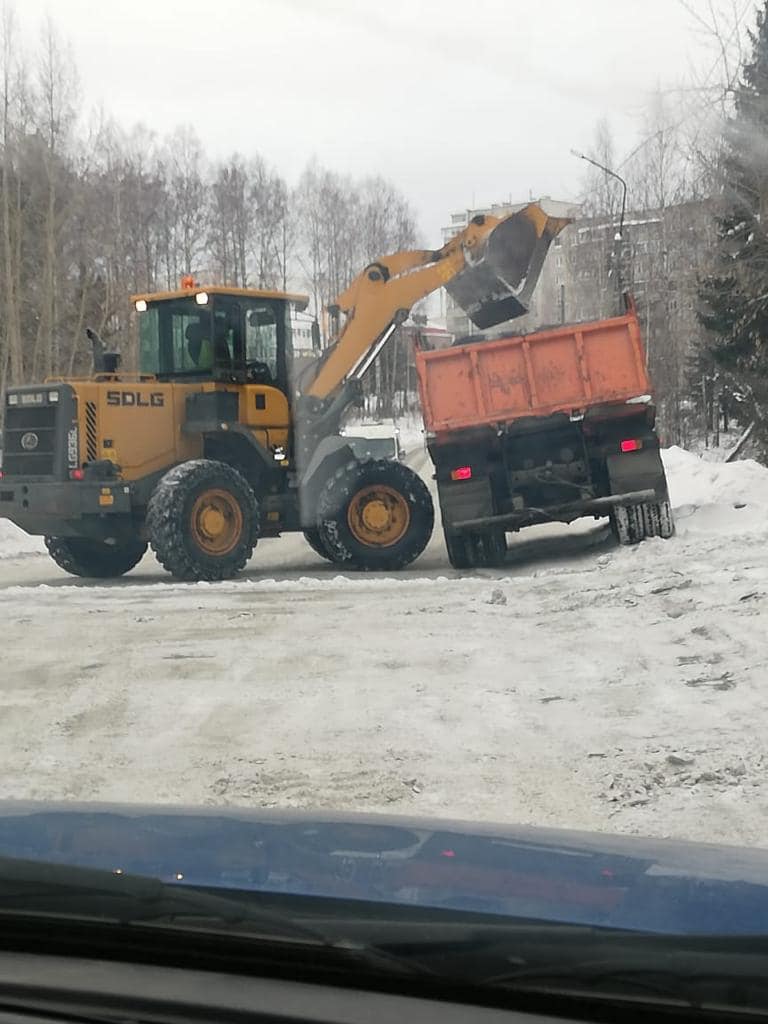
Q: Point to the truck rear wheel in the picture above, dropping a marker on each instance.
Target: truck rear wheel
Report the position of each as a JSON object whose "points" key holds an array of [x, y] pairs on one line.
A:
{"points": [[375, 515], [659, 521], [458, 550], [494, 547], [82, 556], [203, 521], [634, 523]]}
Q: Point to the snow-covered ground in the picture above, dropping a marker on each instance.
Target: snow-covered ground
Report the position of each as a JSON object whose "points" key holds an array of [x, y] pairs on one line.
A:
{"points": [[584, 685], [14, 543]]}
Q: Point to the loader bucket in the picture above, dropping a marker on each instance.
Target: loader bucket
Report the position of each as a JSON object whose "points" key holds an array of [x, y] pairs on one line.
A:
{"points": [[502, 271]]}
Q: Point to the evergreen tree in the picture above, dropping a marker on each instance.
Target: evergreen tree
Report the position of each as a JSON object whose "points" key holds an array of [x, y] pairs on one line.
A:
{"points": [[735, 297]]}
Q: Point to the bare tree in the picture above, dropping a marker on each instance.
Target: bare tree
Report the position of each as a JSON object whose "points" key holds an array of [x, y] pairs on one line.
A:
{"points": [[188, 198], [56, 100], [656, 170], [14, 85], [601, 194], [90, 214]]}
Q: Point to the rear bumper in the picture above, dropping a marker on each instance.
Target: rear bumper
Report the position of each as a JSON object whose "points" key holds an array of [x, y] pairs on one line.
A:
{"points": [[69, 508], [591, 506]]}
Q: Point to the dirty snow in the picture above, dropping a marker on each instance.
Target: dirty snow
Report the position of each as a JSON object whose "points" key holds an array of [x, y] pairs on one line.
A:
{"points": [[14, 543], [583, 686]]}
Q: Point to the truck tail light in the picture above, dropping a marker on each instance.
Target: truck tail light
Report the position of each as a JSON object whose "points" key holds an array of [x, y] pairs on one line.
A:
{"points": [[631, 445], [462, 473], [77, 474]]}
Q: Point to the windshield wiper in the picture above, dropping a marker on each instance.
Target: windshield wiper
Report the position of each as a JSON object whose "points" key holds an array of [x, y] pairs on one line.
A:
{"points": [[44, 891], [716, 987], [515, 955], [713, 972], [44, 888]]}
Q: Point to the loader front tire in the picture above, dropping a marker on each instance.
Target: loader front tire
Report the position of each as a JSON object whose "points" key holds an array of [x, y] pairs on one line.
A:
{"points": [[312, 537], [375, 515], [94, 559], [203, 521]]}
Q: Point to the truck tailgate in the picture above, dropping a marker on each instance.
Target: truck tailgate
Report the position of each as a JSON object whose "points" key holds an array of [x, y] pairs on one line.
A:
{"points": [[558, 370]]}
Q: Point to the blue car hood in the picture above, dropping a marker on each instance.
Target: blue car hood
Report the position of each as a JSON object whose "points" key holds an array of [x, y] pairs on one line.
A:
{"points": [[555, 875]]}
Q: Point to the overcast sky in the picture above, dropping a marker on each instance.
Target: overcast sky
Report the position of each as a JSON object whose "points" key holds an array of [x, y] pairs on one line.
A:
{"points": [[459, 102]]}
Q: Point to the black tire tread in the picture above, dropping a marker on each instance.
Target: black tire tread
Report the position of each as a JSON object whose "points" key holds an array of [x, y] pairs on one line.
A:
{"points": [[331, 514], [167, 527], [312, 537], [93, 559], [653, 519], [458, 552]]}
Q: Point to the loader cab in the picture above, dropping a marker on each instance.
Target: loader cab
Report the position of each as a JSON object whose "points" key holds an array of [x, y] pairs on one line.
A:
{"points": [[233, 335]]}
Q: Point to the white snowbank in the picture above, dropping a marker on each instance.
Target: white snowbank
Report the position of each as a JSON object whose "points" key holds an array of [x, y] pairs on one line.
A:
{"points": [[711, 497], [14, 543]]}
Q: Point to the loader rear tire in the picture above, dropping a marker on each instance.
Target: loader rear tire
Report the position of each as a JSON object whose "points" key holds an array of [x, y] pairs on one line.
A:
{"points": [[312, 537], [375, 515], [94, 559], [203, 521]]}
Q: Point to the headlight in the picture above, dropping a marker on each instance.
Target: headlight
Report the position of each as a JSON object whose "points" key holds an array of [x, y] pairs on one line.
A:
{"points": [[13, 399], [202, 298], [53, 396], [141, 305]]}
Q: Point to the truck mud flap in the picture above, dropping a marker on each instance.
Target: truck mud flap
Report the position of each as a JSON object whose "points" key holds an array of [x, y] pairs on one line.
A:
{"points": [[635, 471], [465, 500]]}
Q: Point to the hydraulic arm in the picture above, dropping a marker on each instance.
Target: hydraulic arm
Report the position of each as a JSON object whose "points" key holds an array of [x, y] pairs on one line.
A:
{"points": [[490, 268]]}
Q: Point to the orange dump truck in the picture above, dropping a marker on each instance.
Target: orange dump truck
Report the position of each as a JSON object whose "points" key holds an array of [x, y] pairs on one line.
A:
{"points": [[544, 427]]}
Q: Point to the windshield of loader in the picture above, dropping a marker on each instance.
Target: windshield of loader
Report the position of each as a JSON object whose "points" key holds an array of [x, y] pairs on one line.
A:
{"points": [[491, 544], [227, 334], [181, 338]]}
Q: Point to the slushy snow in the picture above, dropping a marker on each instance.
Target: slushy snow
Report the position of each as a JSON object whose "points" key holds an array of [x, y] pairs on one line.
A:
{"points": [[584, 685], [15, 543]]}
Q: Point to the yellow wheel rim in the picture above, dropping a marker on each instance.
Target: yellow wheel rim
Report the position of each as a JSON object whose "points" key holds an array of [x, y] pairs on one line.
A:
{"points": [[378, 516], [216, 522]]}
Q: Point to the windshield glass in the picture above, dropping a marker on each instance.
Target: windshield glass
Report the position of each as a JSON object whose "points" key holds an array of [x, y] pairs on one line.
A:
{"points": [[405, 459], [375, 447], [261, 336], [177, 338]]}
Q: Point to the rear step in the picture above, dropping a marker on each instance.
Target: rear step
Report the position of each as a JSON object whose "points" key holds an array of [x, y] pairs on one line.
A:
{"points": [[604, 505]]}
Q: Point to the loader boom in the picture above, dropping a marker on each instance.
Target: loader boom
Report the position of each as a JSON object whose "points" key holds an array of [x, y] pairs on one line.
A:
{"points": [[490, 268]]}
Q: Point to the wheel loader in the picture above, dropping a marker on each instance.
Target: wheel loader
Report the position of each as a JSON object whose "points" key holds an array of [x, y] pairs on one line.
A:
{"points": [[218, 440]]}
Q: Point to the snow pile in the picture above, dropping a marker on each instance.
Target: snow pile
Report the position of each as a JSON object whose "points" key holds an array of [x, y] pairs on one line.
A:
{"points": [[713, 497], [14, 543]]}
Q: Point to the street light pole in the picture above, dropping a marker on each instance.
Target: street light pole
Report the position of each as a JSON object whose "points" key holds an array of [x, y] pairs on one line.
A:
{"points": [[619, 236], [613, 174]]}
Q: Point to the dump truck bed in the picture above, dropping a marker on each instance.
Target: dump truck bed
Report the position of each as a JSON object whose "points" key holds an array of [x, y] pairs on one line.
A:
{"points": [[564, 369]]}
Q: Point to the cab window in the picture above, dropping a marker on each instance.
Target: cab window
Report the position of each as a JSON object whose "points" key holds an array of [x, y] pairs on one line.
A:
{"points": [[261, 336], [176, 339]]}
